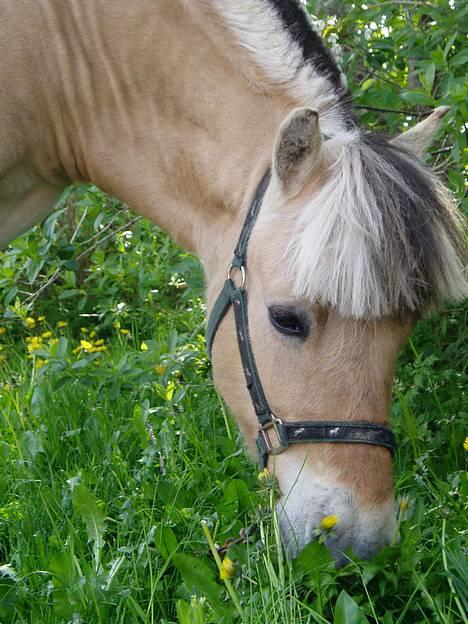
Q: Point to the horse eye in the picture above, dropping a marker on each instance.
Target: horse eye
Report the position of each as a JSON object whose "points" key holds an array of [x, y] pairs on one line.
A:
{"points": [[289, 321]]}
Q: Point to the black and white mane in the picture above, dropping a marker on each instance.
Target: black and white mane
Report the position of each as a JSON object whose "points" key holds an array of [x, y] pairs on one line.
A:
{"points": [[381, 236]]}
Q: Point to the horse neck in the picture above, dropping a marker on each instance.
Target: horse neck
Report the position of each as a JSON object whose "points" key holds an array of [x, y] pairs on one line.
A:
{"points": [[164, 122]]}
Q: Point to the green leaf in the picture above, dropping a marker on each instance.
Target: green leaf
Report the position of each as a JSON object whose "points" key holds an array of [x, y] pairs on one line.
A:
{"points": [[315, 557], [347, 611], [31, 444], [193, 613], [449, 44], [68, 294], [429, 76], [91, 511], [62, 347], [367, 84], [460, 58], [418, 97], [140, 418], [165, 541], [238, 498], [10, 295], [199, 576]]}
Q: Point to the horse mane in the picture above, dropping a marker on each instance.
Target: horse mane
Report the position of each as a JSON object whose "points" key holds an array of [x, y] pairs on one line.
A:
{"points": [[381, 236], [275, 46]]}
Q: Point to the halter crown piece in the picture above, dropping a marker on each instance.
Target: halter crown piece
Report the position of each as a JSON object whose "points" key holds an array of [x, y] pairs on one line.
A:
{"points": [[285, 433]]}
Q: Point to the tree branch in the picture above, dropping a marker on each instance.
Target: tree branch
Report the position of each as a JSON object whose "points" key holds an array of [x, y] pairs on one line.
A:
{"points": [[392, 110]]}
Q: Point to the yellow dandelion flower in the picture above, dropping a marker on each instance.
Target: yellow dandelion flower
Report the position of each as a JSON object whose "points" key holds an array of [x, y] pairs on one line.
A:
{"points": [[328, 522], [404, 504], [227, 569], [160, 369], [41, 318], [2, 331], [99, 343], [144, 346], [264, 474], [34, 343], [100, 349], [34, 346], [30, 322], [39, 363], [87, 346], [124, 332], [465, 444], [47, 334], [62, 324]]}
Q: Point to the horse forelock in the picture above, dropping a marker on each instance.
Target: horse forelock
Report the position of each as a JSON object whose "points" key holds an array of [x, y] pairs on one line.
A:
{"points": [[380, 236]]}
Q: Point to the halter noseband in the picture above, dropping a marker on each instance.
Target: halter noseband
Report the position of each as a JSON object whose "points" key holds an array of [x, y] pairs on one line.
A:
{"points": [[285, 433]]}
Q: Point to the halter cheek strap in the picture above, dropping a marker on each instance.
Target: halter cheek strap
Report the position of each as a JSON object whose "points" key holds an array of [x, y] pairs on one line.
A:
{"points": [[274, 435]]}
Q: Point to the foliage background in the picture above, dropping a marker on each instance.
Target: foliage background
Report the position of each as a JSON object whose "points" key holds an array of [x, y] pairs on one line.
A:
{"points": [[114, 447]]}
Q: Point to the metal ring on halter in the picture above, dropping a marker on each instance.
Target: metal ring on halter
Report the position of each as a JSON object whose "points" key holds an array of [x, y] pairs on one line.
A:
{"points": [[241, 268], [281, 444], [270, 423]]}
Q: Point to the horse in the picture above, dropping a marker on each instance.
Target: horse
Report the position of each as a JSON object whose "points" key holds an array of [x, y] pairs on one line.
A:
{"points": [[206, 115]]}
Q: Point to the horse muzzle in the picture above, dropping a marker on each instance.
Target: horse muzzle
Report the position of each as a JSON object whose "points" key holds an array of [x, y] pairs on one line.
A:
{"points": [[305, 512]]}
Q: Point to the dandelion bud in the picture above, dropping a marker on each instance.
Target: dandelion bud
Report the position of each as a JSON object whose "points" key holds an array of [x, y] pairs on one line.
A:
{"points": [[227, 569], [328, 522], [264, 474]]}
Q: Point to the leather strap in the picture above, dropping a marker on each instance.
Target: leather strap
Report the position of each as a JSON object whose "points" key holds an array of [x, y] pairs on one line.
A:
{"points": [[221, 306], [252, 378], [240, 252], [285, 433], [239, 260], [332, 431]]}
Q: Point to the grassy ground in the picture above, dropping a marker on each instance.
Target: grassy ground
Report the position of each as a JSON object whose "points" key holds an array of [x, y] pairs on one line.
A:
{"points": [[118, 464]]}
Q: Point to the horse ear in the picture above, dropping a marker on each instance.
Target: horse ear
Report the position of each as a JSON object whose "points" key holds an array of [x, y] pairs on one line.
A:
{"points": [[297, 149], [419, 137]]}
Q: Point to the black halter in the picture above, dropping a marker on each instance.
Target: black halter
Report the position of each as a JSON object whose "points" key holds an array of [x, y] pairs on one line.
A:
{"points": [[285, 433]]}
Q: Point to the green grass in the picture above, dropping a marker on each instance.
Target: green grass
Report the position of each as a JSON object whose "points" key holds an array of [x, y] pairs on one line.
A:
{"points": [[111, 460]]}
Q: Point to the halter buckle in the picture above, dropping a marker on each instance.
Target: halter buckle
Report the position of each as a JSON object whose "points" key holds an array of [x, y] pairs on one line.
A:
{"points": [[280, 444], [240, 268]]}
